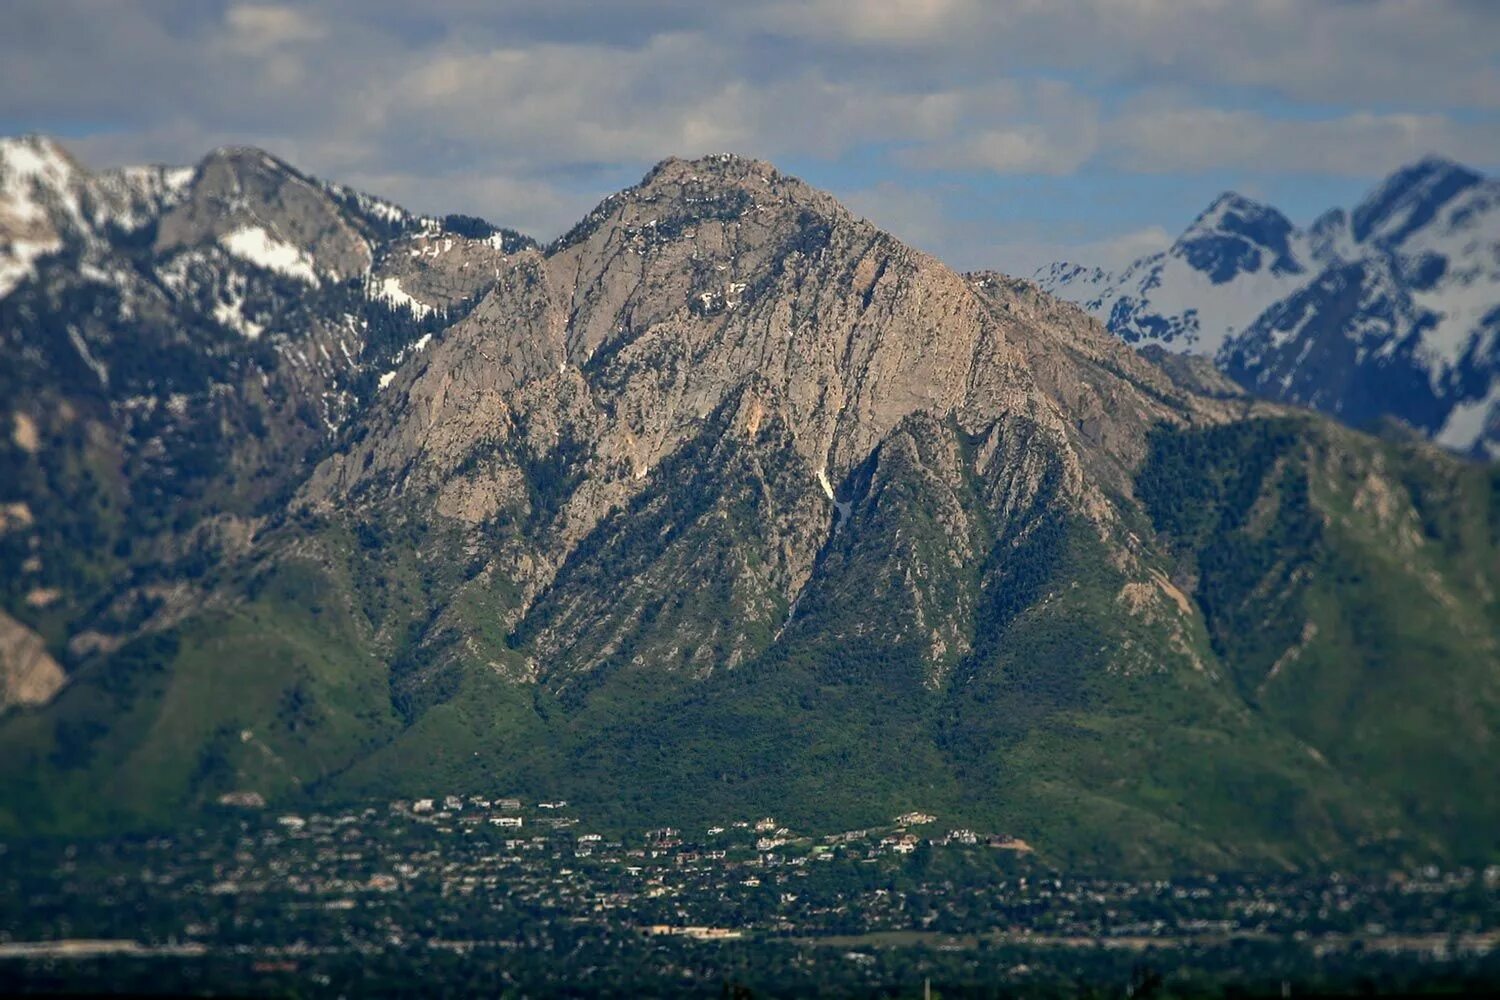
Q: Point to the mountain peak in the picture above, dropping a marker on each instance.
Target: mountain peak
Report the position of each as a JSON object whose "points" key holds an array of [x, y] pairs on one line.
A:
{"points": [[1409, 198], [34, 155], [1435, 165], [39, 202], [243, 159], [263, 210], [1233, 234], [1237, 214], [677, 194], [730, 167], [32, 162]]}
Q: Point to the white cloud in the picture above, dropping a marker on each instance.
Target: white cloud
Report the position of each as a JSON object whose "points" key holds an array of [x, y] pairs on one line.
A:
{"points": [[261, 28], [526, 111], [902, 23], [1172, 140]]}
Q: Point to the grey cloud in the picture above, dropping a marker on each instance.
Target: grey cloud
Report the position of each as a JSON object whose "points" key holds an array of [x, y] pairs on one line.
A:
{"points": [[527, 111], [1172, 140]]}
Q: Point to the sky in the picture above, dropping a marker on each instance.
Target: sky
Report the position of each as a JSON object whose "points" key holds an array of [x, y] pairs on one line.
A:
{"points": [[994, 133]]}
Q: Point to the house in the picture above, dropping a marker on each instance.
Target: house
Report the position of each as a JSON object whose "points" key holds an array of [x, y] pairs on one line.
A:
{"points": [[423, 806], [243, 800], [510, 821]]}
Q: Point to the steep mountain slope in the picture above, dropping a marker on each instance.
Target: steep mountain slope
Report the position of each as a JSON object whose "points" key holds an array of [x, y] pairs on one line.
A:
{"points": [[180, 345], [1391, 310], [728, 502]]}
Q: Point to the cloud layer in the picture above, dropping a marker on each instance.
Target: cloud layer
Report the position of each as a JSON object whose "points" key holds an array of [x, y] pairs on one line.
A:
{"points": [[930, 115]]}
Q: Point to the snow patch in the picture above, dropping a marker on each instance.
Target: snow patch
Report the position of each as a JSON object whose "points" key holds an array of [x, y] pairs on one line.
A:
{"points": [[841, 507], [230, 314], [258, 247], [390, 292], [28, 163], [18, 261], [416, 347], [82, 348]]}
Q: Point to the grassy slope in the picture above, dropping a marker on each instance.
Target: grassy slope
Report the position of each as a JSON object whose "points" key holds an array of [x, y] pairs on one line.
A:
{"points": [[1065, 723], [266, 695], [1039, 732], [1353, 601]]}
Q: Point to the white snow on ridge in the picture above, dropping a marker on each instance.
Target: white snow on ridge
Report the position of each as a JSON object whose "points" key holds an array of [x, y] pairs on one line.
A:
{"points": [[417, 346], [1466, 234], [33, 173], [389, 290], [130, 197], [258, 247], [231, 313], [18, 261], [1163, 299], [28, 163], [1202, 315]]}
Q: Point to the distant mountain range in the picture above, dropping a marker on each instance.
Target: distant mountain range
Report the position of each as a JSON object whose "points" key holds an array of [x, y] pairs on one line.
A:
{"points": [[724, 503], [1391, 310]]}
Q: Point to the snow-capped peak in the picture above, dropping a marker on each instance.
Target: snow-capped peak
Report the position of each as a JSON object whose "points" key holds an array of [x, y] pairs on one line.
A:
{"points": [[35, 170], [38, 199], [1390, 309], [1234, 213], [1409, 199], [1236, 234], [36, 156]]}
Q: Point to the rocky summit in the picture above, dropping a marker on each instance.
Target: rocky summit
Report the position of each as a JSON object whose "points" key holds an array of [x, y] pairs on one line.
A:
{"points": [[724, 502]]}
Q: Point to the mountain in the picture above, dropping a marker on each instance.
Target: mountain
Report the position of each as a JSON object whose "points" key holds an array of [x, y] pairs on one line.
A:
{"points": [[1391, 310], [723, 503]]}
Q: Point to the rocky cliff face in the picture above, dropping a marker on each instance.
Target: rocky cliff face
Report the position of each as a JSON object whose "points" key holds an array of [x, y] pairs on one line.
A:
{"points": [[723, 310], [725, 500], [29, 676]]}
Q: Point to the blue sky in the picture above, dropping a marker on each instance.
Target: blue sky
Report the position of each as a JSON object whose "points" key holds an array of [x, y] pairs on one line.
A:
{"points": [[1000, 133]]}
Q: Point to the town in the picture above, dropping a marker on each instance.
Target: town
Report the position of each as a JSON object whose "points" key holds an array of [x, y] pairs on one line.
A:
{"points": [[532, 893]]}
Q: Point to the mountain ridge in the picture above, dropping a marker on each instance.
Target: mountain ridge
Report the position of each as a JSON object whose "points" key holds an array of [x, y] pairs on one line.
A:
{"points": [[726, 501], [1386, 310]]}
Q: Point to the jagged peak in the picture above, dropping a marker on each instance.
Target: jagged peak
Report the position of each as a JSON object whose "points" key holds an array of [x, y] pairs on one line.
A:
{"points": [[719, 166], [241, 154], [1410, 197], [718, 186], [1433, 166], [1330, 221], [244, 161], [37, 156], [690, 181], [1237, 214]]}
